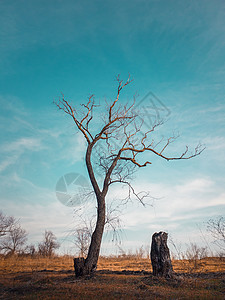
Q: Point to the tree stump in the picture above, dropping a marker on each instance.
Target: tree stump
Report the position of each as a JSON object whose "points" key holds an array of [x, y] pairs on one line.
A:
{"points": [[81, 269], [160, 255], [79, 266]]}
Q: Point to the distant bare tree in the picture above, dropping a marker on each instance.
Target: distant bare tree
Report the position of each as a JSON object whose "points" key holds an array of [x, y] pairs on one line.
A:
{"points": [[49, 244], [5, 223], [217, 228], [30, 250], [82, 240], [194, 252], [14, 241]]}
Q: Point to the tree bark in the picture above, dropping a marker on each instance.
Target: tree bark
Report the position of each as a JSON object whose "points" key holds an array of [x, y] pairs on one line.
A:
{"points": [[160, 255], [87, 266], [96, 239]]}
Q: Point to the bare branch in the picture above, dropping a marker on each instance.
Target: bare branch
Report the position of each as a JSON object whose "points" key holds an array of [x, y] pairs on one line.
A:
{"points": [[135, 162], [131, 190], [63, 104], [217, 229], [198, 150], [120, 87], [6, 224]]}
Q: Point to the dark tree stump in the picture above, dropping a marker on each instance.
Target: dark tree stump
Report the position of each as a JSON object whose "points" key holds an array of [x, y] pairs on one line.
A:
{"points": [[79, 266], [81, 269], [160, 255]]}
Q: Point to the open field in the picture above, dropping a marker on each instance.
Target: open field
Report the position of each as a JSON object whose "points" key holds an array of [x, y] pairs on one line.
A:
{"points": [[116, 278]]}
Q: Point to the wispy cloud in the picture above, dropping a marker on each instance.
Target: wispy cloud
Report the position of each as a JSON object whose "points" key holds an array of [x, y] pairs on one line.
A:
{"points": [[7, 162], [22, 137], [215, 143], [22, 144], [13, 150], [175, 203]]}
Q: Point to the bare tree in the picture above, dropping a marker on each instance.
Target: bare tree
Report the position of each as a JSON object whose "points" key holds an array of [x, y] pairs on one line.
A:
{"points": [[14, 241], [121, 143], [217, 228], [30, 250], [5, 223], [82, 240], [49, 244]]}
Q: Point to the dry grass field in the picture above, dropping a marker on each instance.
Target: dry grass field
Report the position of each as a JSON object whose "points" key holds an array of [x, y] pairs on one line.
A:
{"points": [[116, 278]]}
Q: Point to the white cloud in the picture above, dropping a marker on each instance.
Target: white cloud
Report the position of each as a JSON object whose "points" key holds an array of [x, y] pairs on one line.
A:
{"points": [[176, 203], [13, 150], [36, 207], [215, 143], [195, 185], [22, 144], [75, 147], [39, 209], [7, 162]]}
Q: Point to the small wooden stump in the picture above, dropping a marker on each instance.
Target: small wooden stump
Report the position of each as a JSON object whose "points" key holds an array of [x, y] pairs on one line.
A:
{"points": [[160, 255], [79, 266]]}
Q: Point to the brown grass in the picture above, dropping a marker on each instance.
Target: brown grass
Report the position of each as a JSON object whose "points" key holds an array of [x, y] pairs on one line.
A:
{"points": [[116, 278]]}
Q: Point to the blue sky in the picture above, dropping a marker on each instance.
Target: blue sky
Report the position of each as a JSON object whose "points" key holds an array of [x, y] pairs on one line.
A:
{"points": [[174, 49]]}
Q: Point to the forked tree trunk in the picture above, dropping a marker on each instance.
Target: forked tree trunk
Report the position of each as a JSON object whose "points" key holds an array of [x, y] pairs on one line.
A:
{"points": [[160, 255], [87, 266]]}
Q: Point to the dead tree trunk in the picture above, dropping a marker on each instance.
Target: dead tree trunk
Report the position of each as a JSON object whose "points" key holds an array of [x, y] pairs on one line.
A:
{"points": [[160, 255]]}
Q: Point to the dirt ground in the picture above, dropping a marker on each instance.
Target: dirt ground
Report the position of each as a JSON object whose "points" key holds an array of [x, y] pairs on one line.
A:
{"points": [[116, 278]]}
